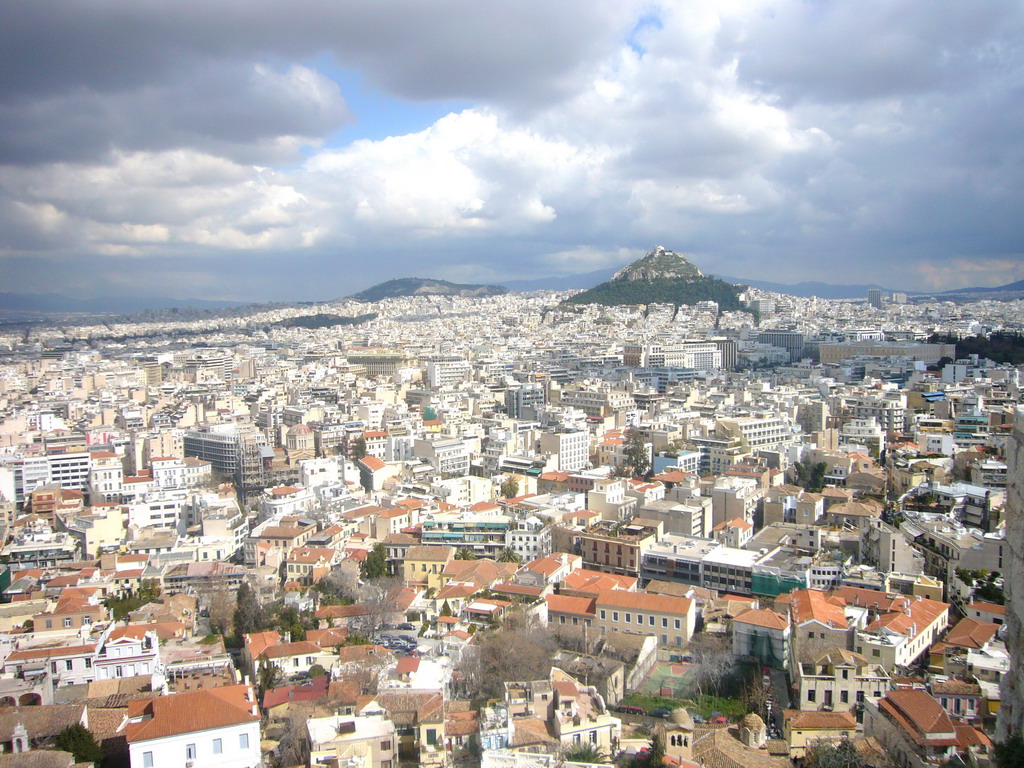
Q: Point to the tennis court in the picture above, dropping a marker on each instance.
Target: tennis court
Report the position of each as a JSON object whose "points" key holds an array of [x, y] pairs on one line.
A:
{"points": [[667, 679]]}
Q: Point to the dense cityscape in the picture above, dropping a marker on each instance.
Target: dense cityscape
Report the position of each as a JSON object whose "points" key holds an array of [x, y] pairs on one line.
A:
{"points": [[512, 531]]}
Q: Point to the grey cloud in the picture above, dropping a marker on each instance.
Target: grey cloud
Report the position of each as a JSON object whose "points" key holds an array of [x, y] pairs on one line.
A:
{"points": [[150, 75]]}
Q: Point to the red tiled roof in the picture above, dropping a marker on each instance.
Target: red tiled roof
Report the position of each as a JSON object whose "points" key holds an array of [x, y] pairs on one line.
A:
{"points": [[189, 712], [581, 606]]}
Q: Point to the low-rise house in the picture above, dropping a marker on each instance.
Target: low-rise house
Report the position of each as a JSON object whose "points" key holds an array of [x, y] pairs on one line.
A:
{"points": [[209, 728], [912, 727], [961, 700], [839, 680], [804, 730], [370, 741], [307, 565], [128, 651], [761, 634], [425, 564]]}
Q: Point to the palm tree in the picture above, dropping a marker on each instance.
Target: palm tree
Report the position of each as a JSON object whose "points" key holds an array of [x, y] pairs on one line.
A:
{"points": [[509, 487], [584, 753], [465, 553], [508, 555]]}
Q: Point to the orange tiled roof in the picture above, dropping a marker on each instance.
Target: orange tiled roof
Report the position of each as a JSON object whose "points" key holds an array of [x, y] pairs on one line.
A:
{"points": [[190, 712]]}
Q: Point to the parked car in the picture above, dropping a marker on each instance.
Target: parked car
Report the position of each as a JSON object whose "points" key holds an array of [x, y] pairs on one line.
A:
{"points": [[660, 712], [406, 625], [720, 720], [697, 718]]}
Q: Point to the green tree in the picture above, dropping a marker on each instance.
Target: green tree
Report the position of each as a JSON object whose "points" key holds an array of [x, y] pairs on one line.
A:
{"points": [[841, 755], [359, 448], [446, 610], [584, 753], [429, 414], [375, 566], [636, 453], [465, 553], [655, 757], [317, 671], [508, 555], [811, 477], [249, 614], [77, 740], [267, 676], [509, 487], [1010, 753]]}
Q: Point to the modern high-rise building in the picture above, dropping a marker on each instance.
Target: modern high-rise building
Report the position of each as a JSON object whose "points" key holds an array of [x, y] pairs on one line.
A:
{"points": [[237, 450], [875, 297]]}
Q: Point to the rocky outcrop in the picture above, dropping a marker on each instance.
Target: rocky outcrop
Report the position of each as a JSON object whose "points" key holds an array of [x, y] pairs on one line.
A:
{"points": [[659, 264], [1011, 706]]}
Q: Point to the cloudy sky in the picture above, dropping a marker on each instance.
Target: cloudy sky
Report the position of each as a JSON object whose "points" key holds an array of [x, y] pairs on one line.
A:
{"points": [[310, 148]]}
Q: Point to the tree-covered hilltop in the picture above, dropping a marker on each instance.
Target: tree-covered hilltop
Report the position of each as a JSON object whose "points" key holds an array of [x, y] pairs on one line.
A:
{"points": [[1000, 346], [662, 277], [673, 291]]}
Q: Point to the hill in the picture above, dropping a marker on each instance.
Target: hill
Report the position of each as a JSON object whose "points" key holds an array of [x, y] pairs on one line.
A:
{"points": [[419, 286], [1008, 288], [662, 277]]}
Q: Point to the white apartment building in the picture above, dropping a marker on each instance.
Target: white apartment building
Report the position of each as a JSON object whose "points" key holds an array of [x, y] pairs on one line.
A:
{"points": [[447, 370], [572, 447]]}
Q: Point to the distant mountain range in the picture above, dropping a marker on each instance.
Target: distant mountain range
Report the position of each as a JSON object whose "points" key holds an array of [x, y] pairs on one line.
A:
{"points": [[1008, 288], [114, 305], [420, 286]]}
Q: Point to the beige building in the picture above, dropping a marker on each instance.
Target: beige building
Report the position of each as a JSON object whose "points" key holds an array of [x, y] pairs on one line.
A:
{"points": [[368, 741], [425, 564], [839, 680], [671, 619], [804, 730]]}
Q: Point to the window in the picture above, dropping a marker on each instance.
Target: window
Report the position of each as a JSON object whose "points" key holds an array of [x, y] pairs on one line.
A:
{"points": [[147, 760], [88, 663], [875, 652], [615, 615], [812, 695], [664, 623], [602, 614], [844, 697], [218, 746], [190, 751], [846, 674], [629, 618], [678, 624], [385, 746], [68, 664], [243, 741], [650, 620], [593, 737], [67, 621], [431, 736]]}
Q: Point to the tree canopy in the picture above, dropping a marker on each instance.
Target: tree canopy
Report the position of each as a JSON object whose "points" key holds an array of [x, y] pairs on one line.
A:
{"points": [[79, 741]]}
